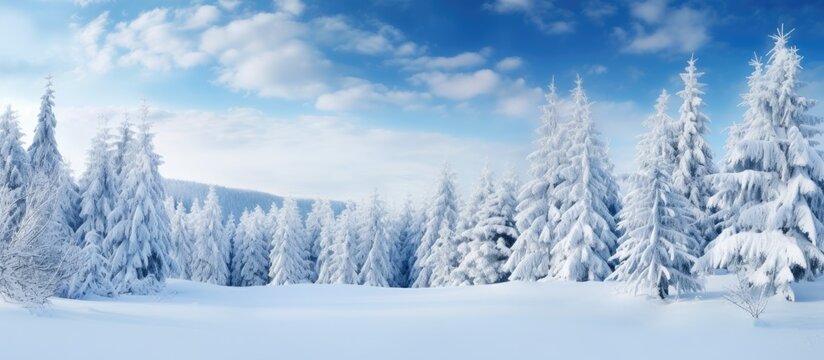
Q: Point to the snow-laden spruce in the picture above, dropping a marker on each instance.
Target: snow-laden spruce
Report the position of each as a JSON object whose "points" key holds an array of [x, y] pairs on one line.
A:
{"points": [[97, 199], [586, 230], [289, 256], [660, 241], [229, 239], [209, 264], [378, 269], [45, 159], [319, 229], [772, 190], [694, 157], [340, 267], [439, 233], [139, 232], [14, 172], [252, 254], [183, 241], [408, 232], [470, 214], [491, 238], [537, 208]]}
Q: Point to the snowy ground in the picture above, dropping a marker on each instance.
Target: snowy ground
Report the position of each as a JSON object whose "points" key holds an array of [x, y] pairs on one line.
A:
{"points": [[555, 320]]}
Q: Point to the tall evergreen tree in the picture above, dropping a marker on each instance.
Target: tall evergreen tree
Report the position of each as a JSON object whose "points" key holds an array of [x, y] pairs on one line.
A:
{"points": [[586, 230], [408, 232], [491, 238], [183, 241], [139, 231], [229, 238], [660, 241], [340, 267], [442, 219], [378, 269], [694, 160], [318, 224], [253, 250], [537, 209], [97, 199], [14, 171], [289, 258], [210, 259], [772, 188]]}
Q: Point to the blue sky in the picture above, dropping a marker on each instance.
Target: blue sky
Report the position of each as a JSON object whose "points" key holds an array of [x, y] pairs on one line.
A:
{"points": [[336, 98]]}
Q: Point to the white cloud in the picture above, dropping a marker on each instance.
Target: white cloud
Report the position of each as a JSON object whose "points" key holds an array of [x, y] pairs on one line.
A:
{"points": [[337, 32], [199, 17], [597, 69], [458, 86], [509, 63], [664, 28], [518, 100], [460, 61], [361, 94], [293, 7], [543, 13], [266, 54]]}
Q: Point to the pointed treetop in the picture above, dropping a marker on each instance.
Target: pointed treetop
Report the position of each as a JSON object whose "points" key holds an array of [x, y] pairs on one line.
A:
{"points": [[661, 103]]}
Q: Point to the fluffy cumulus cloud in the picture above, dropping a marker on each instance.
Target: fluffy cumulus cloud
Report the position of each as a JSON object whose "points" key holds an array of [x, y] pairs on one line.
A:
{"points": [[518, 100], [662, 27], [509, 63], [362, 94], [458, 86], [542, 13], [470, 59], [267, 54]]}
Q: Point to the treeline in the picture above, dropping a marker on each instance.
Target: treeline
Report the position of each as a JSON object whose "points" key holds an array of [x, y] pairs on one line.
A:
{"points": [[759, 213]]}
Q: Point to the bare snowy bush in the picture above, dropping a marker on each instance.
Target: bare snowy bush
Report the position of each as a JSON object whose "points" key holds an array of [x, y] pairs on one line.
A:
{"points": [[37, 262], [752, 299]]}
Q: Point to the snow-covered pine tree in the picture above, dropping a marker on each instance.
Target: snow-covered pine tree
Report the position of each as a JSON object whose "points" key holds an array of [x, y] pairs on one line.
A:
{"points": [[139, 231], [120, 154], [183, 241], [238, 257], [442, 217], [340, 267], [586, 229], [660, 241], [97, 199], [271, 222], [378, 269], [289, 257], [537, 208], [229, 238], [491, 238], [253, 250], [772, 187], [470, 214], [209, 264], [14, 171], [45, 159], [320, 218], [408, 232], [694, 157]]}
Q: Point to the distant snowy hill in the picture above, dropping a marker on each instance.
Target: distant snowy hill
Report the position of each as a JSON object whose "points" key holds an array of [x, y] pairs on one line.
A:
{"points": [[233, 201]]}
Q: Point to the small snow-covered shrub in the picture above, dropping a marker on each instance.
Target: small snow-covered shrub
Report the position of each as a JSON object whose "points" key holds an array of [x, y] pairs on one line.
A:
{"points": [[752, 299]]}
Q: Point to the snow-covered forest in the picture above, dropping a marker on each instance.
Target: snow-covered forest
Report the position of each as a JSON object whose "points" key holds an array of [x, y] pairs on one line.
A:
{"points": [[686, 213]]}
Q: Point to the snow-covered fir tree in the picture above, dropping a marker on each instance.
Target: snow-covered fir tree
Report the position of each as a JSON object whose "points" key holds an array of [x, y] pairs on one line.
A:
{"points": [[271, 221], [252, 254], [340, 267], [694, 157], [586, 229], [14, 171], [378, 269], [289, 257], [183, 241], [470, 214], [124, 139], [97, 199], [537, 208], [660, 241], [139, 231], [210, 256], [319, 231], [408, 233], [772, 187], [229, 238], [491, 238], [45, 159], [442, 217]]}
